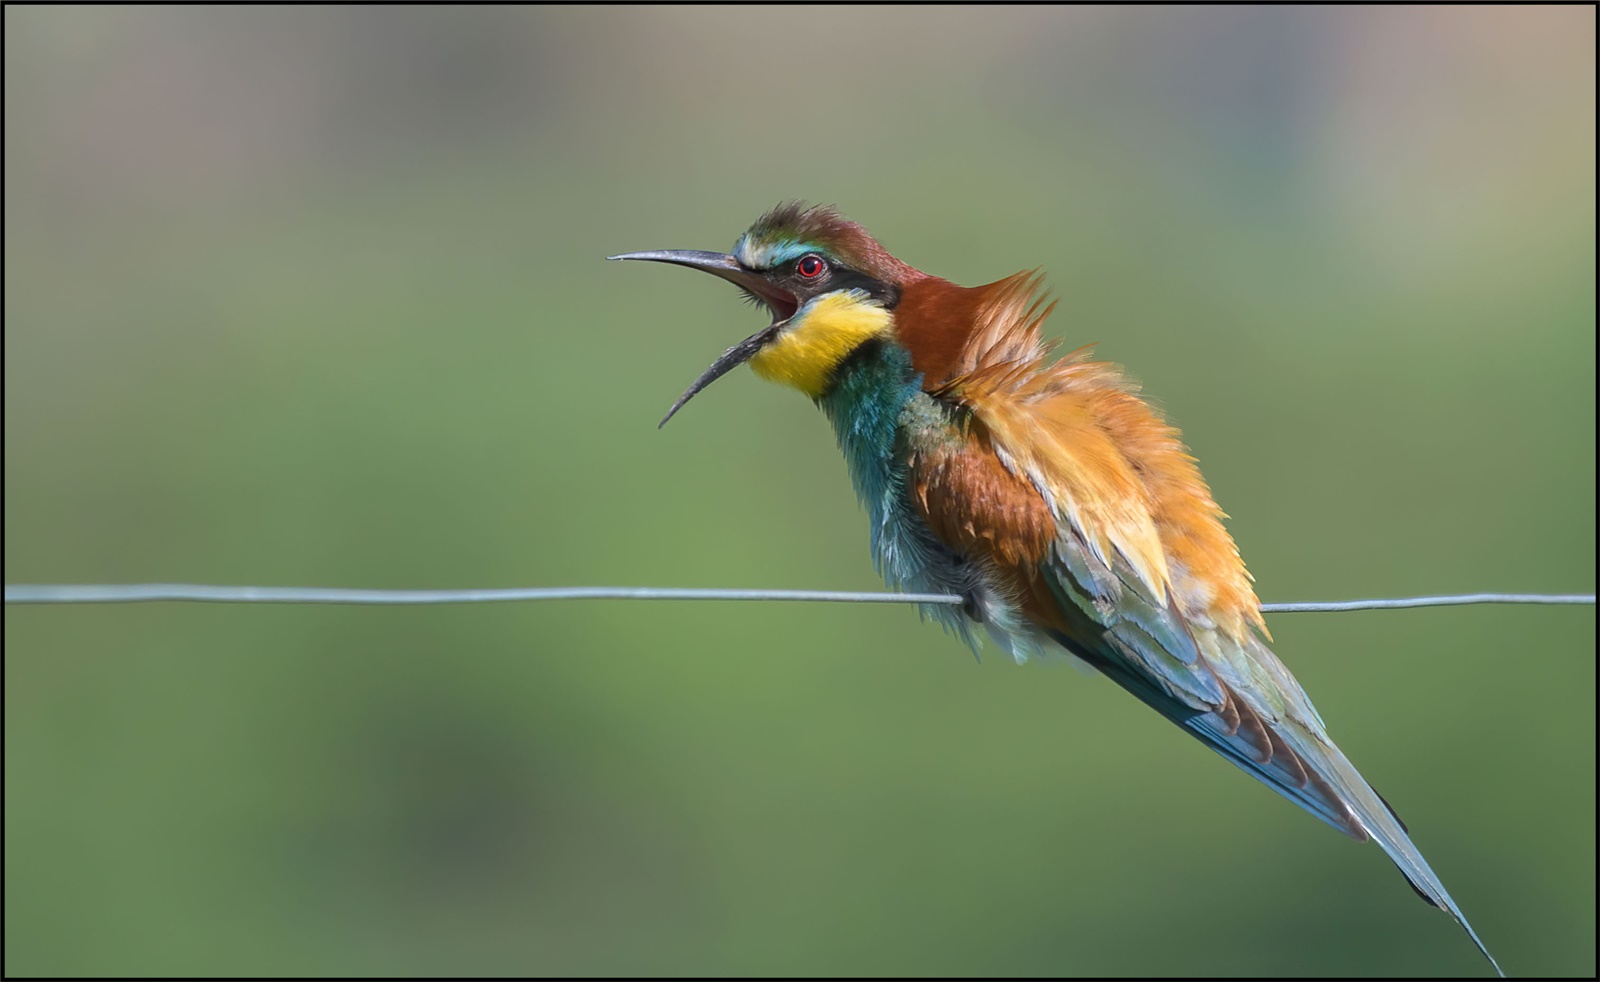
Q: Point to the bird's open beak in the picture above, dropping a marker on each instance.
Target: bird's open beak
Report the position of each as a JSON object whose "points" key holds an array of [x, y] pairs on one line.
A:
{"points": [[751, 282]]}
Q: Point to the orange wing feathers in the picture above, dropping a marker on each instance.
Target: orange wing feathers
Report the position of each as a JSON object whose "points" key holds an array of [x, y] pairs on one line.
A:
{"points": [[1074, 439], [1065, 476]]}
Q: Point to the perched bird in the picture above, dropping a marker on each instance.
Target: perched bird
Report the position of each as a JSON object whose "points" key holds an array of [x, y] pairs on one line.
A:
{"points": [[1060, 506]]}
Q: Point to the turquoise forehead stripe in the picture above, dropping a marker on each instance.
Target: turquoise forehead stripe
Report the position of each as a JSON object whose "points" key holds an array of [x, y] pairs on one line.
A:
{"points": [[765, 255]]}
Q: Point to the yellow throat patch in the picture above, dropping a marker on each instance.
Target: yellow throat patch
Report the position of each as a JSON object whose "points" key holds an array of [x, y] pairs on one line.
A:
{"points": [[819, 337]]}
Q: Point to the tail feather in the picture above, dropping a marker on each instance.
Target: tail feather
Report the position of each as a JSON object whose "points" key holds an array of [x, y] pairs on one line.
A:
{"points": [[1386, 829], [1302, 765]]}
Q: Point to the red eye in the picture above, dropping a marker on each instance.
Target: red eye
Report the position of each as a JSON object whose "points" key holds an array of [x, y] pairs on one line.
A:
{"points": [[810, 267]]}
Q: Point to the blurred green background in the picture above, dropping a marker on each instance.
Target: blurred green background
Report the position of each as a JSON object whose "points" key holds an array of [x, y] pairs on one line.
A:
{"points": [[315, 297]]}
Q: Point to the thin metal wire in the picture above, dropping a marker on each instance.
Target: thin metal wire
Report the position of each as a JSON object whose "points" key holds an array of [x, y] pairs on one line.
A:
{"points": [[1398, 603], [205, 593], [202, 593]]}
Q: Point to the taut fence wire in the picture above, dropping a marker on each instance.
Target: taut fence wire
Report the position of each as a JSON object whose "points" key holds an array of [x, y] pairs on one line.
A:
{"points": [[125, 593]]}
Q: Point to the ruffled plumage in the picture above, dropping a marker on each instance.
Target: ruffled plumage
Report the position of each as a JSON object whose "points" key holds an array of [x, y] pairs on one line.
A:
{"points": [[1082, 502]]}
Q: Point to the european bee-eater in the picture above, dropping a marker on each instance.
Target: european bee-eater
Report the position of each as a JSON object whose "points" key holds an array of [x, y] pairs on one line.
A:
{"points": [[1057, 503]]}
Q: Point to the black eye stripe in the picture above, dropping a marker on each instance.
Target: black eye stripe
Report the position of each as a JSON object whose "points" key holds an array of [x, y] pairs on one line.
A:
{"points": [[831, 277]]}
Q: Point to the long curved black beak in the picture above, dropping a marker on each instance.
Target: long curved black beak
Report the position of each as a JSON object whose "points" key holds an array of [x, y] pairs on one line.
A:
{"points": [[728, 268]]}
